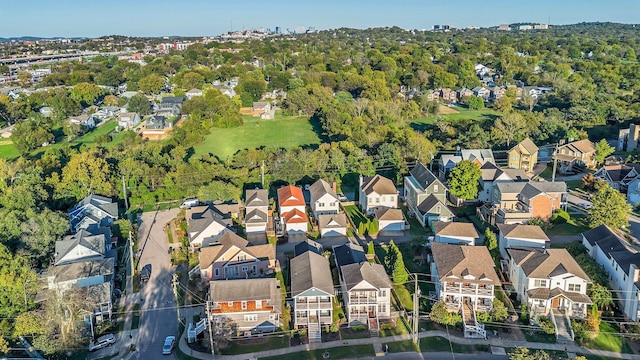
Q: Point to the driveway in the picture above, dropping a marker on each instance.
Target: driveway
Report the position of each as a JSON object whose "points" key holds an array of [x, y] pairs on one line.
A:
{"points": [[158, 317]]}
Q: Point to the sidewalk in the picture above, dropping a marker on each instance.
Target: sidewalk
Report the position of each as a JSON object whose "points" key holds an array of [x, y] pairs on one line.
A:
{"points": [[377, 343]]}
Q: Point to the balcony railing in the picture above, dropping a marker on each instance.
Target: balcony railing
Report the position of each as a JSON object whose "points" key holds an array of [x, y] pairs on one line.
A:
{"points": [[363, 300], [318, 304]]}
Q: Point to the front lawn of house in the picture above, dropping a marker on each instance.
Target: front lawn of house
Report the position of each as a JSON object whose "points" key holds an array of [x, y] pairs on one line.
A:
{"points": [[342, 352]]}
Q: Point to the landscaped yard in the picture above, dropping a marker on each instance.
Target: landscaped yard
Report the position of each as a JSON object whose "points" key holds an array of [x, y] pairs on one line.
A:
{"points": [[400, 289], [267, 342], [402, 346], [576, 225], [438, 344], [608, 339], [343, 352], [283, 131]]}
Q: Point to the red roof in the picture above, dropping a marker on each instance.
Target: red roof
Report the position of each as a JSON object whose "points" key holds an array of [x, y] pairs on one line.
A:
{"points": [[290, 196], [294, 216]]}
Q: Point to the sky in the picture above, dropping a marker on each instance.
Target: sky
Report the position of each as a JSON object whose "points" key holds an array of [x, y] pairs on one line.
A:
{"points": [[94, 18]]}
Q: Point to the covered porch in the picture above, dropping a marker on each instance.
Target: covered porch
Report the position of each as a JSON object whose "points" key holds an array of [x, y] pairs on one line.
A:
{"points": [[542, 301]]}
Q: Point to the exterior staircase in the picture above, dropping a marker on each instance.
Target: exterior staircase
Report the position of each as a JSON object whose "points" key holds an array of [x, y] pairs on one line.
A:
{"points": [[472, 329], [564, 332], [314, 332], [374, 329], [196, 329]]}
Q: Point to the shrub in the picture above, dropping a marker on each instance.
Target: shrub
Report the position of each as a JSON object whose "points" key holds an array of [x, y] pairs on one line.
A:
{"points": [[483, 317], [370, 249], [546, 325], [334, 328], [356, 328], [387, 326], [560, 217], [580, 329]]}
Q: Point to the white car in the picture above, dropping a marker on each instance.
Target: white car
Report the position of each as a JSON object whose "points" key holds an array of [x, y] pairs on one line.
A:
{"points": [[101, 342], [585, 206], [169, 343]]}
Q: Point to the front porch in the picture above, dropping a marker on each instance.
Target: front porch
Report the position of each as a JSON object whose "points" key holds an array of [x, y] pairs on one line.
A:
{"points": [[543, 301]]}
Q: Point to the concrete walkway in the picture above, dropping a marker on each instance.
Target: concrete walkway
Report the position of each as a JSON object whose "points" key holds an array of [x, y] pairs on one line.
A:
{"points": [[378, 341]]}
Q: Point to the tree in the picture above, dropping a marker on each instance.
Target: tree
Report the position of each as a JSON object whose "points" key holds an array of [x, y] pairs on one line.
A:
{"points": [[192, 80], [151, 84], [40, 232], [522, 353], [219, 190], [476, 103], [601, 296], [139, 103], [32, 133], [18, 284], [464, 179], [86, 93], [610, 208], [499, 311], [86, 173], [395, 264], [29, 323], [510, 127], [490, 239], [603, 149], [4, 345], [110, 100], [439, 314]]}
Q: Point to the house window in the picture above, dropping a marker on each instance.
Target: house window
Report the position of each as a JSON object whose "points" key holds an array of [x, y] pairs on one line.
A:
{"points": [[258, 304], [242, 257], [216, 272], [244, 305], [383, 308], [383, 199], [438, 209], [574, 287], [435, 188], [245, 269], [230, 303], [377, 200], [540, 283], [383, 292], [254, 269], [251, 318], [321, 204]]}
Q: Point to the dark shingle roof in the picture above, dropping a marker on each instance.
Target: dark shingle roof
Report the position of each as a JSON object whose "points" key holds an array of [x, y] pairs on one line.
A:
{"points": [[423, 176], [84, 238], [429, 203], [257, 197], [320, 188], [308, 245], [246, 290], [310, 270], [374, 274], [349, 253]]}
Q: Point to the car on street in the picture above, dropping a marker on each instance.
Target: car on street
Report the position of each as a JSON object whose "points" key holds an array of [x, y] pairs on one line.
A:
{"points": [[189, 203], [102, 342], [585, 206], [169, 343]]}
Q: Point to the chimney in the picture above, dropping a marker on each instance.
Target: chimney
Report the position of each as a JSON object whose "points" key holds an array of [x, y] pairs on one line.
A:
{"points": [[334, 186]]}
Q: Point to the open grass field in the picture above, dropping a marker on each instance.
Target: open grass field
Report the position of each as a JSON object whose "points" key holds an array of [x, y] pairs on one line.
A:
{"points": [[283, 131], [8, 150], [456, 113]]}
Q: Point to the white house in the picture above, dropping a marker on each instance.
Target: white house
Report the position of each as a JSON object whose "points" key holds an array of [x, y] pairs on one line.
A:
{"points": [[633, 192], [193, 93], [332, 225], [128, 120], [94, 210], [457, 233], [390, 220], [517, 235], [82, 246], [323, 199], [377, 192], [256, 211], [205, 225], [622, 264], [366, 290]]}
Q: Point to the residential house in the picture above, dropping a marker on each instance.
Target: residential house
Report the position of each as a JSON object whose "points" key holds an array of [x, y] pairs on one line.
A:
{"points": [[497, 92], [491, 174], [254, 305], [523, 156], [446, 163], [366, 287], [463, 93], [312, 292], [465, 279], [256, 209], [228, 209], [458, 233], [158, 122], [333, 225], [80, 274], [193, 93], [618, 176], [170, 106], [323, 198], [633, 191], [628, 139], [551, 283], [574, 155], [128, 120], [377, 192], [93, 211], [292, 209], [83, 246], [432, 95], [205, 225], [232, 257], [308, 245], [482, 92], [621, 262], [391, 220], [225, 90], [46, 111], [448, 95], [518, 202], [420, 185], [518, 235], [85, 120], [262, 109]]}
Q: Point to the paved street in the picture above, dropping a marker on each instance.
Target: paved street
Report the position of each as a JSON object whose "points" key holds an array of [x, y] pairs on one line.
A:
{"points": [[159, 316], [444, 356]]}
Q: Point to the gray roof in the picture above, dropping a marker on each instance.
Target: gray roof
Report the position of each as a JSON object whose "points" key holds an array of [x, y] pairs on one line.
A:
{"points": [[308, 245], [81, 270], [429, 203], [95, 242], [332, 221], [389, 214], [246, 290], [349, 253], [482, 155], [532, 188], [546, 263], [523, 231], [613, 246], [310, 270], [460, 261], [374, 274], [256, 197], [256, 216], [320, 188], [172, 100], [423, 176], [200, 217], [546, 294], [516, 174], [378, 184], [490, 171], [90, 206]]}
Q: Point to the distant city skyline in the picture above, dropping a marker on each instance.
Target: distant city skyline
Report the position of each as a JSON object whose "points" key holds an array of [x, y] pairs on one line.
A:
{"points": [[74, 18]]}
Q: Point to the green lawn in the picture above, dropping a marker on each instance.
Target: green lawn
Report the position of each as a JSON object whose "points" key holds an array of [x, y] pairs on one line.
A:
{"points": [[342, 352], [347, 334], [576, 225], [574, 184], [608, 339], [439, 344], [355, 214], [402, 346], [401, 328], [8, 150], [464, 113], [283, 131], [264, 343]]}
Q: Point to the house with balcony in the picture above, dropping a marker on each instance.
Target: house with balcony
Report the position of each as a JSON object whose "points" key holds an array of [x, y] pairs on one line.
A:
{"points": [[491, 174], [618, 176], [292, 209], [205, 225], [621, 262], [426, 196], [575, 155], [465, 279], [377, 192], [519, 202], [323, 199], [523, 156], [312, 292], [93, 211], [254, 305], [256, 208], [232, 257], [459, 233], [518, 235], [447, 162], [169, 106]]}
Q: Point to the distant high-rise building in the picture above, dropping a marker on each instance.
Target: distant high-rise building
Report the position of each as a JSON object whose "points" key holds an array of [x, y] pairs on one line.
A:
{"points": [[504, 27], [277, 29]]}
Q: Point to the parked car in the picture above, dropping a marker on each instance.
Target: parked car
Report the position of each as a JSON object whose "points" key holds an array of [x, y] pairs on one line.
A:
{"points": [[102, 342], [189, 203], [341, 197], [169, 343], [585, 206]]}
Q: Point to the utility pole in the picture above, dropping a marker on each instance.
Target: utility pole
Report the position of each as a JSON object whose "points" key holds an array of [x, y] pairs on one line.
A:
{"points": [[174, 282], [131, 256], [555, 164], [262, 174], [415, 309], [124, 193], [210, 329]]}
